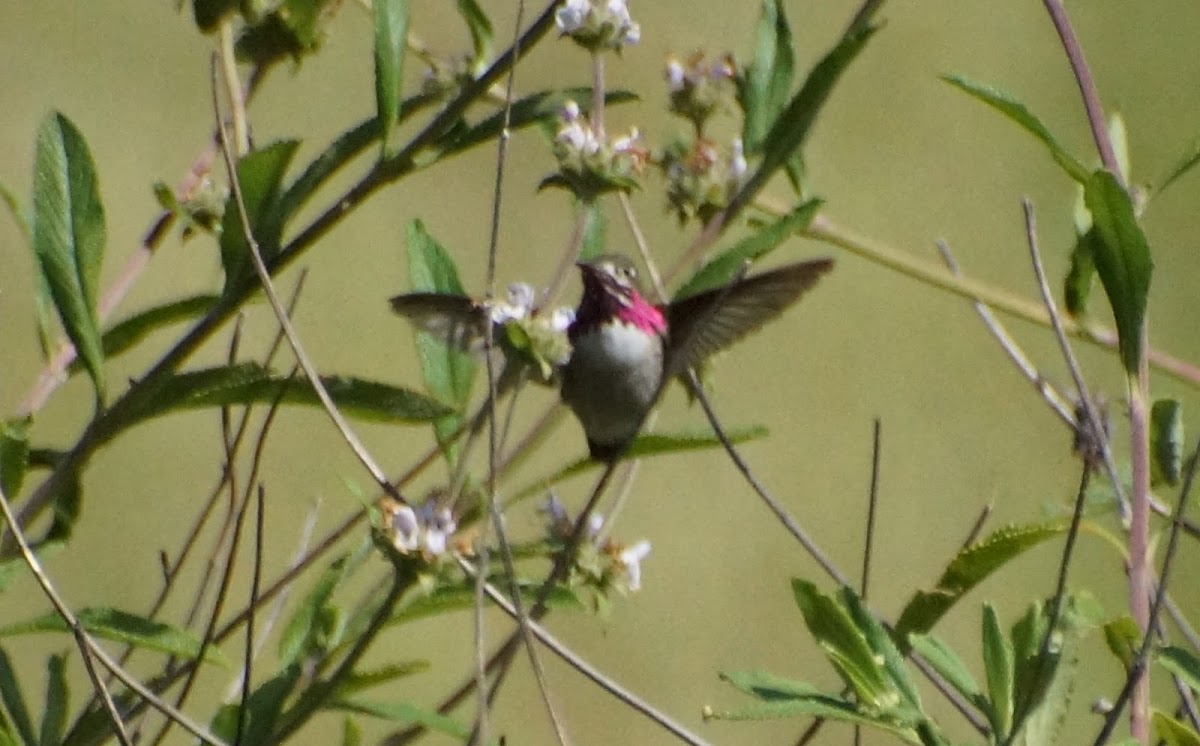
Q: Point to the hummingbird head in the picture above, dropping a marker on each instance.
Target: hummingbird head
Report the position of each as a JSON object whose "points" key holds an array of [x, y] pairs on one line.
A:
{"points": [[611, 293]]}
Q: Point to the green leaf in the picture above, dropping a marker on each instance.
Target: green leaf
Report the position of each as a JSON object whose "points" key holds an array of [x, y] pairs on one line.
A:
{"points": [[1077, 286], [595, 230], [209, 13], [1172, 731], [351, 733], [260, 174], [14, 567], [948, 665], [14, 455], [1182, 663], [1124, 638], [54, 717], [14, 701], [768, 686], [405, 713], [294, 28], [69, 234], [19, 215], [447, 599], [845, 646], [769, 80], [883, 648], [129, 331], [1166, 442], [121, 626], [262, 711], [1016, 111], [481, 31], [250, 383], [391, 31], [969, 568], [722, 269], [67, 504], [645, 445], [998, 667], [449, 373], [1123, 261], [823, 706], [300, 636], [363, 680], [792, 126]]}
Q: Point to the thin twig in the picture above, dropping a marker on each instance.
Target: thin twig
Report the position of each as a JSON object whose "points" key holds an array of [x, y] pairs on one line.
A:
{"points": [[255, 583], [1087, 86], [579, 664], [264, 276], [977, 527], [872, 511], [1140, 661], [1014, 352], [89, 646]]}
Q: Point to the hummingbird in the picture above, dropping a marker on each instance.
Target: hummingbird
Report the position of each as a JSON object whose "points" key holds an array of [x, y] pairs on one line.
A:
{"points": [[624, 348]]}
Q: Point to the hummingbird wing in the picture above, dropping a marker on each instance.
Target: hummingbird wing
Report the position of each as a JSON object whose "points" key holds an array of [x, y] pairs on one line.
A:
{"points": [[708, 322], [457, 320]]}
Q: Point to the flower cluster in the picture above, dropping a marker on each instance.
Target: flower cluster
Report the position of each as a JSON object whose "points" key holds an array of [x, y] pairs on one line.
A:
{"points": [[701, 179], [601, 564], [539, 338], [589, 163], [426, 529], [598, 24], [698, 88]]}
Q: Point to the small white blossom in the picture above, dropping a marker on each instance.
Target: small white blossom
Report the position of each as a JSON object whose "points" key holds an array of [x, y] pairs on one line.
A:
{"points": [[630, 559], [737, 161], [561, 318], [675, 75], [571, 16]]}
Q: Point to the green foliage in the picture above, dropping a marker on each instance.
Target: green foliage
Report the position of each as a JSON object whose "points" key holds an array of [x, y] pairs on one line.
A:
{"points": [[68, 235], [1166, 442], [121, 626], [14, 455], [763, 92], [391, 29], [1122, 258], [260, 174]]}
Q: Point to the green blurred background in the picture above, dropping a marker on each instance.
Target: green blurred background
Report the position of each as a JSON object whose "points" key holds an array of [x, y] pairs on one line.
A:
{"points": [[897, 155]]}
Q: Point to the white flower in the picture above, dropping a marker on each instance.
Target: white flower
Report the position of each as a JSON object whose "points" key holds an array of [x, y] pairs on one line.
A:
{"points": [[572, 15], [561, 318], [737, 161], [630, 559], [407, 528], [675, 74]]}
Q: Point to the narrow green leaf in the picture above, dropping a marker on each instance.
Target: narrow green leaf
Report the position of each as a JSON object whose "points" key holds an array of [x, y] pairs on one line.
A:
{"points": [[67, 504], [121, 626], [351, 733], [844, 645], [391, 31], [883, 648], [69, 234], [15, 567], [404, 712], [260, 174], [14, 455], [300, 634], [792, 126], [449, 373], [262, 711], [769, 80], [970, 567], [481, 31], [293, 28], [1016, 111], [998, 667], [208, 14], [823, 706], [645, 445], [14, 701], [1123, 637], [595, 230], [768, 686], [1182, 663], [1166, 442], [1123, 261], [250, 383], [1077, 286], [1173, 732], [948, 665], [126, 333], [721, 269], [362, 680], [54, 717], [18, 213]]}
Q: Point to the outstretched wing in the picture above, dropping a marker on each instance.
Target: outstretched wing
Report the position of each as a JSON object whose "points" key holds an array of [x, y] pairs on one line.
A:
{"points": [[708, 322], [454, 319]]}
